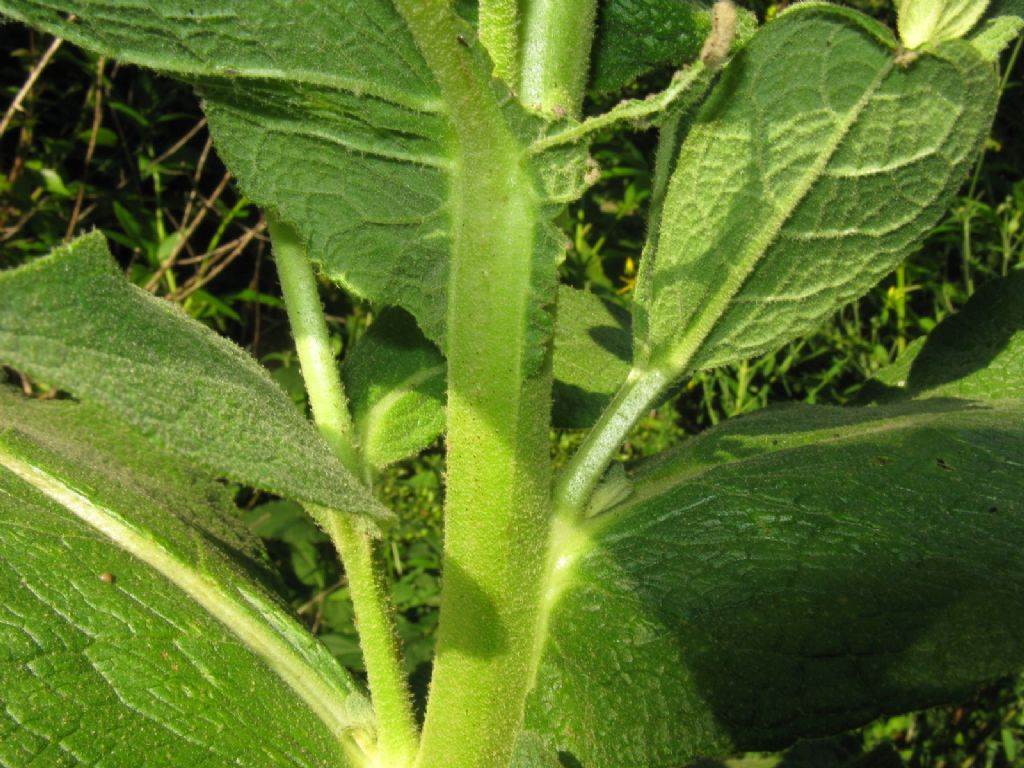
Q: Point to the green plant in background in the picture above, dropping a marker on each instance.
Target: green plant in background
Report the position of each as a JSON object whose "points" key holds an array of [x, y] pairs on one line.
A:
{"points": [[789, 574]]}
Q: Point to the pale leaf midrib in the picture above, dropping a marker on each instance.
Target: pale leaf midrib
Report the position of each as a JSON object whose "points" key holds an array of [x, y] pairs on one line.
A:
{"points": [[680, 354], [327, 702]]}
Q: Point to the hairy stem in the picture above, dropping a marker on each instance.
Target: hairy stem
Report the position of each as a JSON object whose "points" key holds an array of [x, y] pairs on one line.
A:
{"points": [[579, 478], [555, 54], [499, 34], [313, 344], [397, 737], [498, 470]]}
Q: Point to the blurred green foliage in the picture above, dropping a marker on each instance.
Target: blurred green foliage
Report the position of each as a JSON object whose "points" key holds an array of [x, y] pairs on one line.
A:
{"points": [[88, 144]]}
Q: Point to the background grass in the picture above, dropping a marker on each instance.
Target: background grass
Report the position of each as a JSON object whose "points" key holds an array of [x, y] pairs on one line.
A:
{"points": [[88, 144]]}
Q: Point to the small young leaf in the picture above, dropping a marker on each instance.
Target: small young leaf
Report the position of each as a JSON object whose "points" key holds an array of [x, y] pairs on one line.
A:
{"points": [[816, 165], [998, 28], [933, 21], [73, 321], [793, 573], [395, 381], [131, 615]]}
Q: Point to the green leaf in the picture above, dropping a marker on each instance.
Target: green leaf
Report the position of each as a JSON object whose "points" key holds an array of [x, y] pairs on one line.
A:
{"points": [[328, 115], [932, 21], [636, 36], [593, 349], [977, 354], [998, 28], [792, 573], [73, 321], [816, 165], [132, 624], [395, 380]]}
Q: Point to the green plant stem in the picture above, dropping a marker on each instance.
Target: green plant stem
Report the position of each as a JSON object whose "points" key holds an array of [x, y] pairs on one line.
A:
{"points": [[498, 24], [555, 54], [498, 469], [397, 737], [313, 344], [580, 477]]}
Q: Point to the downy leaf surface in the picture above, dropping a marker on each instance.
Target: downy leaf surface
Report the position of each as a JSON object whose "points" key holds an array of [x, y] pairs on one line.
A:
{"points": [[328, 115], [802, 570], [977, 354], [72, 320], [794, 573], [816, 165], [593, 349], [999, 27], [135, 617], [932, 21]]}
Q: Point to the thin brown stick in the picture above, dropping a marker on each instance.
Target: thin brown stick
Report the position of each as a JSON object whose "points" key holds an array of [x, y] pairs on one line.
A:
{"points": [[172, 258], [200, 280], [37, 70], [178, 145]]}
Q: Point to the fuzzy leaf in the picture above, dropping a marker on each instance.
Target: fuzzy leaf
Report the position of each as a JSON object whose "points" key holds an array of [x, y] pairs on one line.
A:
{"points": [[932, 21], [793, 573], [592, 355], [395, 380], [816, 165], [998, 28], [328, 115], [131, 624], [73, 321]]}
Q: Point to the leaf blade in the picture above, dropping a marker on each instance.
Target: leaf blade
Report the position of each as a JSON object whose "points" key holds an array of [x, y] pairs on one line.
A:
{"points": [[72, 320], [789, 574], [396, 381], [726, 282], [156, 620]]}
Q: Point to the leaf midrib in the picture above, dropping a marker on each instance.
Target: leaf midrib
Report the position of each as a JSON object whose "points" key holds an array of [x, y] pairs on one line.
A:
{"points": [[308, 77], [680, 354], [330, 703]]}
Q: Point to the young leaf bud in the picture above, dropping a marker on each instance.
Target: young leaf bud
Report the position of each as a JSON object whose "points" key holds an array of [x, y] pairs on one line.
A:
{"points": [[932, 21]]}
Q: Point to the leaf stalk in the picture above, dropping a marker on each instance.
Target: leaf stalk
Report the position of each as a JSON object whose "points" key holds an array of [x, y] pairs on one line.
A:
{"points": [[397, 736]]}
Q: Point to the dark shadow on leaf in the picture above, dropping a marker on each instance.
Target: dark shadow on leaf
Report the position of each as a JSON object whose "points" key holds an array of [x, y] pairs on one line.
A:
{"points": [[970, 340]]}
